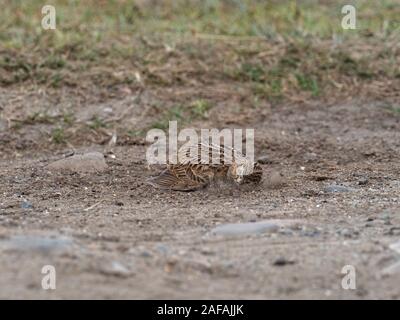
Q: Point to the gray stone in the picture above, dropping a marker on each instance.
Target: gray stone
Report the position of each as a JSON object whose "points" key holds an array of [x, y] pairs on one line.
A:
{"points": [[334, 188], [237, 229], [88, 162], [385, 216], [145, 254], [310, 233], [395, 246], [115, 268], [348, 233], [392, 269], [26, 205], [310, 157], [162, 249], [37, 243], [3, 125]]}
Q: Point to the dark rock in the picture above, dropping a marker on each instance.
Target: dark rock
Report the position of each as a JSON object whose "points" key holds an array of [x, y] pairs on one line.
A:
{"points": [[310, 233], [145, 254], [348, 233], [280, 262], [264, 160], [362, 181], [394, 231]]}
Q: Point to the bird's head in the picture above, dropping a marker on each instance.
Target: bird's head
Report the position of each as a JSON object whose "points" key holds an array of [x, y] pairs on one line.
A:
{"points": [[240, 170]]}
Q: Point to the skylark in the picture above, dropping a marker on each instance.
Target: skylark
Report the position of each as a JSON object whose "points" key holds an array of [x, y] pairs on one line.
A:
{"points": [[211, 163]]}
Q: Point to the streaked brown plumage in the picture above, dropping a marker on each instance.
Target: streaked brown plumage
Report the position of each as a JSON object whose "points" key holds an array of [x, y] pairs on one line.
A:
{"points": [[194, 172]]}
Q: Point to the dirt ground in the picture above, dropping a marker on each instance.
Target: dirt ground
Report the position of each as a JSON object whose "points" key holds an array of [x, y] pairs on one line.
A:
{"points": [[331, 181]]}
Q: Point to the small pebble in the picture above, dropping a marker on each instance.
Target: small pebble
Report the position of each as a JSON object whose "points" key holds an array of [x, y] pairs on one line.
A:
{"points": [[26, 205], [362, 181], [280, 262]]}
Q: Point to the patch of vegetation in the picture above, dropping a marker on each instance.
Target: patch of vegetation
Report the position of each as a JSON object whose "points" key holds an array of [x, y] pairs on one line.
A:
{"points": [[308, 83], [176, 113], [68, 118], [199, 109], [58, 135], [53, 62], [97, 123], [352, 67], [275, 48], [252, 72], [395, 109], [136, 133], [271, 90], [40, 117], [55, 80]]}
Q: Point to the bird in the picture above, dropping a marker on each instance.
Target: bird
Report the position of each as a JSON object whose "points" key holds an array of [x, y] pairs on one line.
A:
{"points": [[196, 170]]}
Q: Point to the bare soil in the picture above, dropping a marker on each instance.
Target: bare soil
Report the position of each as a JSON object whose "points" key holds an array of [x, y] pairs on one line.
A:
{"points": [[109, 235]]}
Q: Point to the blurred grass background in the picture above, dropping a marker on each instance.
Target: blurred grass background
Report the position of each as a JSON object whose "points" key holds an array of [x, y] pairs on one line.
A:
{"points": [[96, 21], [276, 51], [102, 32]]}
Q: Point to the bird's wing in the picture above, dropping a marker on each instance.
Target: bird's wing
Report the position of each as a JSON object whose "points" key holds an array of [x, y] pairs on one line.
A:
{"points": [[208, 153], [179, 178]]}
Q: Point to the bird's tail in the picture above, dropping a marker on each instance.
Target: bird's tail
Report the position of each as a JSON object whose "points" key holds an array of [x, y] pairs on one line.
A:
{"points": [[168, 181], [165, 180]]}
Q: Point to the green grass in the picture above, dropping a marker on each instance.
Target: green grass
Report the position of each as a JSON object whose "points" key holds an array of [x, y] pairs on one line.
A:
{"points": [[68, 118], [183, 114], [272, 51], [83, 24], [271, 90], [395, 109], [308, 83], [199, 109], [97, 123], [58, 135], [176, 113], [252, 72], [40, 117], [97, 20]]}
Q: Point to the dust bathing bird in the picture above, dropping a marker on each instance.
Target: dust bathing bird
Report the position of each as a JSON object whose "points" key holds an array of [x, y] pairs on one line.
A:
{"points": [[211, 163]]}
